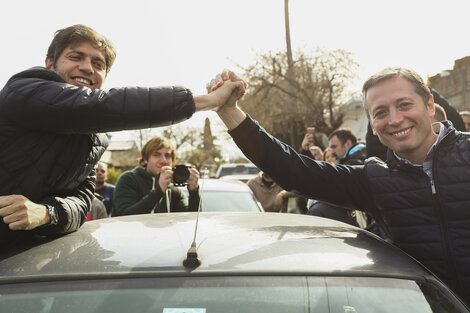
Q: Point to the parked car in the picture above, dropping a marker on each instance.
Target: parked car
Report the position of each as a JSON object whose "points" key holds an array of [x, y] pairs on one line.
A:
{"points": [[219, 195], [230, 262], [244, 178], [236, 169]]}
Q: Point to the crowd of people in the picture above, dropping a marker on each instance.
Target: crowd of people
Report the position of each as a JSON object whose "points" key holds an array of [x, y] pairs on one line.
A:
{"points": [[408, 181]]}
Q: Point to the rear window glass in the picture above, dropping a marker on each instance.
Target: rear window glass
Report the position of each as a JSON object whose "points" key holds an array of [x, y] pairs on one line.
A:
{"points": [[229, 294], [239, 170], [215, 201]]}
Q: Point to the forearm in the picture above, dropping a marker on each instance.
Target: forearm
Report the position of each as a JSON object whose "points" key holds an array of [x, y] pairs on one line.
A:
{"points": [[231, 116], [37, 99], [204, 103], [71, 210]]}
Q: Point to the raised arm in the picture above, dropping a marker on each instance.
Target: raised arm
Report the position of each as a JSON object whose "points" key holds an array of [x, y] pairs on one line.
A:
{"points": [[293, 172], [39, 99]]}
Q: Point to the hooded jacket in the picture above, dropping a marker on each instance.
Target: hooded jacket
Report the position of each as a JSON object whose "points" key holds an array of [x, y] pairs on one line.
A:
{"points": [[49, 141], [138, 192]]}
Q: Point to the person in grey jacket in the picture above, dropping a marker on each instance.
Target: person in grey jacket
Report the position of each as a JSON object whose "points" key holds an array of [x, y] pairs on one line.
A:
{"points": [[49, 131], [419, 196]]}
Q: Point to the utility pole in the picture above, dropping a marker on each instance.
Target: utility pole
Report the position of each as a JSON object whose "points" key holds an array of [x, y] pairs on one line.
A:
{"points": [[290, 77], [290, 62]]}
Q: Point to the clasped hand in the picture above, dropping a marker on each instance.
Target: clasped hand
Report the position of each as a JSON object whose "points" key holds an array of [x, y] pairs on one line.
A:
{"points": [[20, 213], [229, 86]]}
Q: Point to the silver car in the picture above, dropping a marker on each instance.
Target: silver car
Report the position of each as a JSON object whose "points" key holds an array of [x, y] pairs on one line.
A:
{"points": [[227, 196], [230, 262], [236, 169]]}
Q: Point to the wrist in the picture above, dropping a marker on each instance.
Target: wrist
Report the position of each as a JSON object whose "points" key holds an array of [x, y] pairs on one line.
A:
{"points": [[232, 116], [193, 188], [51, 217], [203, 102]]}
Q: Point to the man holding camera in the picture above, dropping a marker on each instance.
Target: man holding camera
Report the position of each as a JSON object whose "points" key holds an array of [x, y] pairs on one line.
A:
{"points": [[150, 187]]}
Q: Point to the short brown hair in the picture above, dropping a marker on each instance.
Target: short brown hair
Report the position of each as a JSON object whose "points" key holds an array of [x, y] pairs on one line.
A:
{"points": [[155, 144], [391, 72], [81, 33], [343, 134]]}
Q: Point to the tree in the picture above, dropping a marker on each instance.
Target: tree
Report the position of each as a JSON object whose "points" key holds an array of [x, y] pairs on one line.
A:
{"points": [[206, 154], [192, 146], [310, 96], [113, 175], [182, 135]]}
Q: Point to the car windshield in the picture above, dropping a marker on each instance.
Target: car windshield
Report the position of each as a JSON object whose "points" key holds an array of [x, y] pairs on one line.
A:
{"points": [[238, 170], [214, 201], [228, 294]]}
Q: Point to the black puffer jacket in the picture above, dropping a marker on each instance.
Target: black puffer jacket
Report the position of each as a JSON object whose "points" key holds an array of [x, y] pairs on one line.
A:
{"points": [[430, 220], [48, 143], [430, 223]]}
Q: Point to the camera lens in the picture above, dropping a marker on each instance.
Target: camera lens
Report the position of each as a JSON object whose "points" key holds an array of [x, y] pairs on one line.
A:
{"points": [[180, 174]]}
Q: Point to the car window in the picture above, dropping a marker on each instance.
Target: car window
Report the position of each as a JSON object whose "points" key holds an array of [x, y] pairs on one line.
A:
{"points": [[214, 201], [229, 294], [238, 170], [387, 295]]}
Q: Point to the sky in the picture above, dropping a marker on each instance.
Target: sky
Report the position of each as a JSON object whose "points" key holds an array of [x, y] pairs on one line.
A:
{"points": [[187, 42]]}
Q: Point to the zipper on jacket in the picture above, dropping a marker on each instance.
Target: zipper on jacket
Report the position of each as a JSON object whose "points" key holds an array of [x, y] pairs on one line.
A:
{"points": [[433, 188]]}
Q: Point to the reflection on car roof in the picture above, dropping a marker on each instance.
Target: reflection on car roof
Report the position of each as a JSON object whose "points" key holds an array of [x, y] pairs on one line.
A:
{"points": [[229, 243]]}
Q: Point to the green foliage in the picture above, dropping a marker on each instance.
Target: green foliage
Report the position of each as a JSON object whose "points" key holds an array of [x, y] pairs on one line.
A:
{"points": [[206, 154], [113, 175]]}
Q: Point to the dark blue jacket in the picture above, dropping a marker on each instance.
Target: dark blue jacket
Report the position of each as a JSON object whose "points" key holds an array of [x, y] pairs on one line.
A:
{"points": [[49, 145], [432, 224]]}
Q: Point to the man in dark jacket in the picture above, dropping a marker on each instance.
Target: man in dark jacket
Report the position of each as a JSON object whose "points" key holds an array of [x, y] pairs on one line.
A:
{"points": [[48, 126], [105, 190], [345, 147], [149, 188], [419, 196]]}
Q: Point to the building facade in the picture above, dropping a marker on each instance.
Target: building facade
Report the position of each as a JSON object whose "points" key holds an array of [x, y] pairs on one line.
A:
{"points": [[454, 85]]}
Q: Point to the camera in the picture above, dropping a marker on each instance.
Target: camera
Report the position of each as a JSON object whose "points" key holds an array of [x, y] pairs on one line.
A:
{"points": [[180, 175]]}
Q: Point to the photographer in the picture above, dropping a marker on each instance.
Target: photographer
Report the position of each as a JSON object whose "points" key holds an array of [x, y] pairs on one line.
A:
{"points": [[150, 187]]}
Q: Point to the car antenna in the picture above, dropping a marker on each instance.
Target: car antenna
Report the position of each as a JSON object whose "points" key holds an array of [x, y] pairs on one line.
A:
{"points": [[192, 259]]}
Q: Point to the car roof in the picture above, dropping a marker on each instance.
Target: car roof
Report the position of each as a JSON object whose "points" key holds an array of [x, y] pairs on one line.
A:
{"points": [[227, 243]]}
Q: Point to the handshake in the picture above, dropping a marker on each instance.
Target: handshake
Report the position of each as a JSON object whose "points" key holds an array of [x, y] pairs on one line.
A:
{"points": [[224, 90]]}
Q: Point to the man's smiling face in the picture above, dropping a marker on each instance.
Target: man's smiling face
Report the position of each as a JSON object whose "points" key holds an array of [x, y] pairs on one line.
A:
{"points": [[401, 119], [81, 65]]}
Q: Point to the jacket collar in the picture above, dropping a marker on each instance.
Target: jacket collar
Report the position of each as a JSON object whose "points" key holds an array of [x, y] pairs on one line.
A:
{"points": [[142, 171], [449, 136]]}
